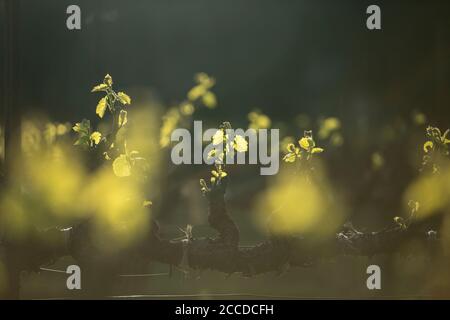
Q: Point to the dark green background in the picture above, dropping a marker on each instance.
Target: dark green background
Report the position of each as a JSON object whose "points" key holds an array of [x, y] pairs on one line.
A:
{"points": [[284, 57]]}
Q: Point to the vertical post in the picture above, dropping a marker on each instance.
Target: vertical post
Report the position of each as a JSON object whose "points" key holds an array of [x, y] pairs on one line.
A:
{"points": [[11, 105], [12, 119]]}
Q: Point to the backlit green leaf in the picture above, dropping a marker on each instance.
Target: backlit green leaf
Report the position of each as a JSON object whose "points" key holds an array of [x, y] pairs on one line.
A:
{"points": [[101, 107], [124, 98]]}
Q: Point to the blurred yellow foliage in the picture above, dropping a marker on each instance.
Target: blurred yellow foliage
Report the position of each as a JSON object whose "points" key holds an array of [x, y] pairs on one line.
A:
{"points": [[117, 208], [377, 160], [52, 185], [170, 123], [202, 90], [328, 126], [432, 191], [122, 166], [418, 118], [187, 108], [258, 120], [294, 204]]}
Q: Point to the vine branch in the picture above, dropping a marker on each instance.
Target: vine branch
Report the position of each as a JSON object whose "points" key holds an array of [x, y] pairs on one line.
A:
{"points": [[221, 253]]}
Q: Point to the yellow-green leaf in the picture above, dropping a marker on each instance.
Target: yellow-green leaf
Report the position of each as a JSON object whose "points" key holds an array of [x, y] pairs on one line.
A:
{"points": [[100, 87], [204, 79], [427, 146], [212, 153], [101, 107], [240, 144], [291, 147], [124, 98], [317, 150], [82, 127], [218, 137], [122, 166], [304, 143], [290, 157], [96, 137], [108, 80], [218, 174]]}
